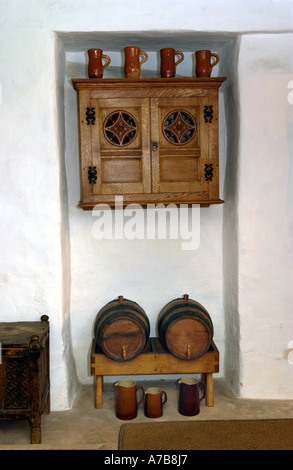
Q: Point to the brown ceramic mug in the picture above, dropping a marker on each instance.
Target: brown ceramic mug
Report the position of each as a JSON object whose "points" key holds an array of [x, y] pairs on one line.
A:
{"points": [[96, 66], [155, 398], [126, 399], [168, 63], [132, 64], [204, 65], [189, 396]]}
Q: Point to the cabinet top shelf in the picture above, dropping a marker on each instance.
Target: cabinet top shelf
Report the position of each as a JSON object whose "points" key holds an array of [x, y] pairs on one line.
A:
{"points": [[204, 82]]}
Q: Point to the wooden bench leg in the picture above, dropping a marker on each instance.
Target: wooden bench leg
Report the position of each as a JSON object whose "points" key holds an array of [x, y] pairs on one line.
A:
{"points": [[36, 435], [99, 391], [35, 426], [207, 379]]}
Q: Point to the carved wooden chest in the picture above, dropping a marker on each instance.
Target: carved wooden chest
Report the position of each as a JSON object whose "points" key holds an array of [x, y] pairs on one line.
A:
{"points": [[24, 373]]}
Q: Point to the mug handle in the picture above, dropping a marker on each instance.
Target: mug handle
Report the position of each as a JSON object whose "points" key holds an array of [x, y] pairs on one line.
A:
{"points": [[213, 54], [145, 57], [181, 57], [104, 56], [142, 398], [163, 398], [203, 389]]}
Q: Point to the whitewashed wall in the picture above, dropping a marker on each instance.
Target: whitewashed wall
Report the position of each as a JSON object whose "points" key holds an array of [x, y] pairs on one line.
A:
{"points": [[265, 215], [50, 263]]}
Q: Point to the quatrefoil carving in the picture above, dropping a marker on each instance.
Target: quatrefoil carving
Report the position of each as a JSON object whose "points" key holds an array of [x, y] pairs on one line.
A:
{"points": [[120, 128], [179, 127]]}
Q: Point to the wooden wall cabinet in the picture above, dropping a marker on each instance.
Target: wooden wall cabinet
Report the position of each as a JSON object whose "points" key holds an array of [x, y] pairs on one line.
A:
{"points": [[149, 140]]}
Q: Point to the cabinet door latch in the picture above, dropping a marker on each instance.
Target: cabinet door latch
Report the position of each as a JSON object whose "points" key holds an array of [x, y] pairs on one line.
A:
{"points": [[155, 145]]}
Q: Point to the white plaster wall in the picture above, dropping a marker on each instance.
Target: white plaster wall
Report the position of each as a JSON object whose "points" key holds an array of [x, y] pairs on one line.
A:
{"points": [[265, 215], [230, 223], [50, 263], [31, 263]]}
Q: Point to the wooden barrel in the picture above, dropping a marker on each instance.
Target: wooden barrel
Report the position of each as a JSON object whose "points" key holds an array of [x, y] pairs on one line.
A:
{"points": [[185, 328], [121, 329]]}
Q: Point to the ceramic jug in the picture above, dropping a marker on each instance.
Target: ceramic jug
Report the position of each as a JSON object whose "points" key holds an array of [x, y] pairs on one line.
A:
{"points": [[155, 398], [126, 399], [189, 396], [168, 63], [204, 65], [132, 64], [96, 66]]}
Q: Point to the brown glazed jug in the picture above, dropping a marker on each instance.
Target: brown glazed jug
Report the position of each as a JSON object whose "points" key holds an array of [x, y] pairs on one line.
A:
{"points": [[132, 64], [126, 399], [189, 396], [168, 63], [155, 398], [95, 65], [204, 65]]}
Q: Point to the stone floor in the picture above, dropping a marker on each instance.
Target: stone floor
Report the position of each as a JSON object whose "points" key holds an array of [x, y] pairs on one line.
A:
{"points": [[85, 427]]}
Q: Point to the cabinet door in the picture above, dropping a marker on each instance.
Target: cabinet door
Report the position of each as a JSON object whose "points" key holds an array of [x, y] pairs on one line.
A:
{"points": [[120, 146], [179, 145]]}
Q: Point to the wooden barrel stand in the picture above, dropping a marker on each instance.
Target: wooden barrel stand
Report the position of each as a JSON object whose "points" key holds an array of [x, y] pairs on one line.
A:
{"points": [[155, 360]]}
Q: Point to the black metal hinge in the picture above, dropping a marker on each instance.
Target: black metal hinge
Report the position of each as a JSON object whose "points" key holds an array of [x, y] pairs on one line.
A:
{"points": [[92, 174], [90, 116], [208, 113], [208, 171]]}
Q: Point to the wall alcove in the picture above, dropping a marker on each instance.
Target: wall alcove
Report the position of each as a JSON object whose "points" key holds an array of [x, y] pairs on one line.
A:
{"points": [[151, 272]]}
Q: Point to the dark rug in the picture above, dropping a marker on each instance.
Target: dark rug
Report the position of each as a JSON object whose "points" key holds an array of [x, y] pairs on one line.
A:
{"points": [[271, 434]]}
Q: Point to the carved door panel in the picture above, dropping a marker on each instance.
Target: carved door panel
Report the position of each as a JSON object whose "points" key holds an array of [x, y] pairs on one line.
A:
{"points": [[180, 145], [120, 146], [16, 389]]}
